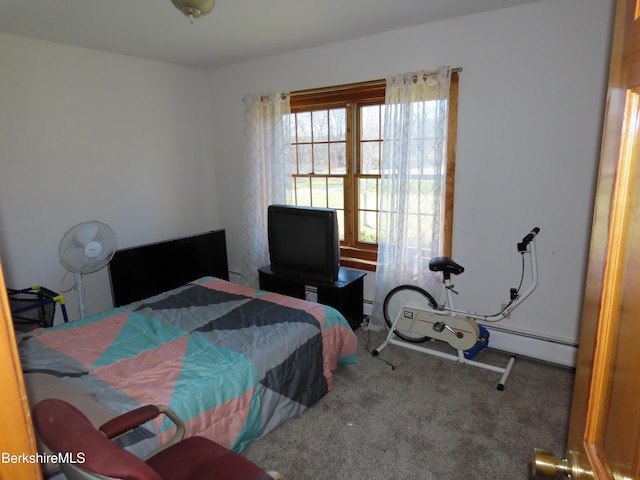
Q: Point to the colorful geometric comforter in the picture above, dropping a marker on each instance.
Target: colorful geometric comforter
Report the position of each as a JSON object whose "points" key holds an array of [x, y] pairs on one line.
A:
{"points": [[231, 361]]}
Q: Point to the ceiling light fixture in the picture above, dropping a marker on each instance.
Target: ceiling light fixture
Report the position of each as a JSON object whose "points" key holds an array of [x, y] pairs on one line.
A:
{"points": [[194, 8]]}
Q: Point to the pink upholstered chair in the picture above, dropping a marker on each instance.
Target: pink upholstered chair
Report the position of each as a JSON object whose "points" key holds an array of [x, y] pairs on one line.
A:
{"points": [[66, 430]]}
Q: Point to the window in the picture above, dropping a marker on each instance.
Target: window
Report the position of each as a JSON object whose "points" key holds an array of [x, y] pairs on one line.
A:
{"points": [[337, 152]]}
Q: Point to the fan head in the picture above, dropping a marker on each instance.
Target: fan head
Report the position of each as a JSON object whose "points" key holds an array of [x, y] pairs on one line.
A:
{"points": [[87, 247]]}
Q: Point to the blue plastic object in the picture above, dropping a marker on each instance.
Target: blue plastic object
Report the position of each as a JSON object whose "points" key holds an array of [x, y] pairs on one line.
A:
{"points": [[481, 344]]}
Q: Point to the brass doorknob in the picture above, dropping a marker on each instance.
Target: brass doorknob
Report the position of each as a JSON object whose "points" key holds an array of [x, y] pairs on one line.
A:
{"points": [[545, 465]]}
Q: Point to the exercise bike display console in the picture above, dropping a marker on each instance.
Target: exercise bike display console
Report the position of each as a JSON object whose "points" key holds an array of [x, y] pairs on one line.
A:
{"points": [[414, 317]]}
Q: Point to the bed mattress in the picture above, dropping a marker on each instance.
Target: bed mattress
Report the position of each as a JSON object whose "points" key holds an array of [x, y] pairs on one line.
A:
{"points": [[233, 362]]}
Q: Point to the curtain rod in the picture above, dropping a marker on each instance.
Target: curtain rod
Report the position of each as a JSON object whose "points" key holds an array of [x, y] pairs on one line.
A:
{"points": [[337, 88]]}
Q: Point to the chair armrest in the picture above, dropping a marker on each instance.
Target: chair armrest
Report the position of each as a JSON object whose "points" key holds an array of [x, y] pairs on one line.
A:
{"points": [[125, 422]]}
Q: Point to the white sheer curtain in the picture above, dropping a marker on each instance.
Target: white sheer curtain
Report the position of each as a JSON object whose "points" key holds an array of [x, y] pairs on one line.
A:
{"points": [[267, 174], [413, 183]]}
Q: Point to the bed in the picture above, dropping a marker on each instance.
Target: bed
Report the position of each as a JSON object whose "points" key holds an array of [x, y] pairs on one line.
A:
{"points": [[232, 361]]}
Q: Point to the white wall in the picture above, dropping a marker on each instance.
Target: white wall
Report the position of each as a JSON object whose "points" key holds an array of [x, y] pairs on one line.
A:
{"points": [[87, 134], [91, 135], [529, 126]]}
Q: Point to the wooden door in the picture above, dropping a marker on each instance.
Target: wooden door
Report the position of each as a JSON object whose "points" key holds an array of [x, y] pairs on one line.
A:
{"points": [[17, 444], [604, 432]]}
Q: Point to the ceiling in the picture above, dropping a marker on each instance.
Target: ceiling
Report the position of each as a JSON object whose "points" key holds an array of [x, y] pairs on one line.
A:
{"points": [[235, 31]]}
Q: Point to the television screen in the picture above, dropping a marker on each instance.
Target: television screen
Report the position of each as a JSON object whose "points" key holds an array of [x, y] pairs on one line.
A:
{"points": [[304, 242]]}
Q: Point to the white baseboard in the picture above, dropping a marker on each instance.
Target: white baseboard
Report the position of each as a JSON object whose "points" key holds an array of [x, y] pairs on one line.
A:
{"points": [[539, 348]]}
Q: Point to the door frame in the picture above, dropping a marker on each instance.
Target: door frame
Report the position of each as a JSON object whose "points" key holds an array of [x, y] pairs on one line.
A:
{"points": [[17, 442]]}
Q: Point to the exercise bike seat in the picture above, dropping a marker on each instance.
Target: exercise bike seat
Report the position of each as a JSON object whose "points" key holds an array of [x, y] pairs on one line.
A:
{"points": [[446, 266]]}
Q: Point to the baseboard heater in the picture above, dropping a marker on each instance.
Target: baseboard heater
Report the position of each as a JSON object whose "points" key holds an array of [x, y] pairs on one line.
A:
{"points": [[538, 347]]}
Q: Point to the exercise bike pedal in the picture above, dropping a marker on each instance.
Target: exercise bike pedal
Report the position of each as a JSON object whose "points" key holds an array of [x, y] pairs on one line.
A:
{"points": [[440, 326]]}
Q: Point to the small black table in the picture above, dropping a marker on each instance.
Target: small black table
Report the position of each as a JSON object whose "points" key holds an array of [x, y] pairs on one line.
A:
{"points": [[345, 294]]}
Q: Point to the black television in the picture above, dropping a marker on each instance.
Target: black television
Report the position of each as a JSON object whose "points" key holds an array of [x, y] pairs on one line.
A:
{"points": [[304, 242]]}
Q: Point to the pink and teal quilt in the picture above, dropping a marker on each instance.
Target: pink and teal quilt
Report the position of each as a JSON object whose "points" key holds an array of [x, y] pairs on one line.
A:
{"points": [[233, 362]]}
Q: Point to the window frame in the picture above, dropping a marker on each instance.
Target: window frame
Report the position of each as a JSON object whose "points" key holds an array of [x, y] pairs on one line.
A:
{"points": [[353, 253]]}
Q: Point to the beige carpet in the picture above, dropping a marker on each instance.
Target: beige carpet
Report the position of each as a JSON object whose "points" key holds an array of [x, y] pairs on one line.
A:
{"points": [[430, 419]]}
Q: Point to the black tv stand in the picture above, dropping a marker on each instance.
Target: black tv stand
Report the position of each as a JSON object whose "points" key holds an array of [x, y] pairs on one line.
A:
{"points": [[345, 294]]}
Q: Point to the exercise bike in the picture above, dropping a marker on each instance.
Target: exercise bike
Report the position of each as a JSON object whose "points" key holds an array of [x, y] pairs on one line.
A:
{"points": [[414, 316]]}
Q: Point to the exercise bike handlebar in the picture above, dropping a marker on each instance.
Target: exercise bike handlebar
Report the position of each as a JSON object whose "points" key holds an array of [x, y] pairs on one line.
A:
{"points": [[523, 247], [528, 238]]}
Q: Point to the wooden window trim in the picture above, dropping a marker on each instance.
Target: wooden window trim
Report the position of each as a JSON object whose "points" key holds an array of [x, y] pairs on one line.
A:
{"points": [[360, 258], [452, 131], [338, 95], [364, 256]]}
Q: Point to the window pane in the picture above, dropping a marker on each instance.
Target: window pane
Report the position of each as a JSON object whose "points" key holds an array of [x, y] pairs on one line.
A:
{"points": [[305, 165], [368, 209], [303, 191], [289, 124], [419, 228], [318, 192], [338, 158], [368, 227], [338, 124], [430, 190], [303, 127], [423, 194], [412, 230], [370, 123], [320, 126], [370, 157], [413, 205], [368, 194], [336, 193], [320, 158]]}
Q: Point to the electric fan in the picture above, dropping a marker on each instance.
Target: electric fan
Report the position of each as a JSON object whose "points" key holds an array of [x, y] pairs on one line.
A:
{"points": [[86, 248]]}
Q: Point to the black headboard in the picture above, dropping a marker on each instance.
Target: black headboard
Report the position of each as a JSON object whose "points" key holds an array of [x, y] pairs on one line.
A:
{"points": [[146, 270]]}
